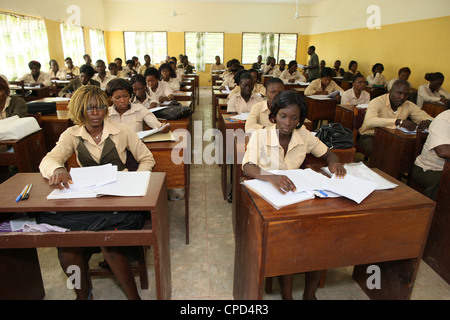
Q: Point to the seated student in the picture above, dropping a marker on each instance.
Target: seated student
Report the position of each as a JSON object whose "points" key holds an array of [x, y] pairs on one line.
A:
{"points": [[129, 70], [432, 92], [55, 72], [284, 146], [376, 78], [356, 94], [11, 105], [134, 115], [269, 68], [217, 66], [403, 74], [282, 66], [243, 101], [114, 71], [85, 78], [147, 64], [322, 65], [258, 117], [389, 111], [91, 134], [87, 60], [257, 89], [178, 71], [428, 166], [165, 61], [337, 70], [36, 77], [137, 64], [102, 76], [324, 85], [119, 62], [352, 71], [168, 75], [292, 74], [71, 70], [141, 93], [187, 65], [229, 79], [257, 65], [159, 90]]}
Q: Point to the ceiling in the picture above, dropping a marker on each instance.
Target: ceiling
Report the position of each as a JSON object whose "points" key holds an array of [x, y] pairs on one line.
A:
{"points": [[301, 2]]}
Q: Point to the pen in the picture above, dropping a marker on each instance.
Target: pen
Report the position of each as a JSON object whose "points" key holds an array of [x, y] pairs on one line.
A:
{"points": [[27, 193], [21, 194], [323, 193]]}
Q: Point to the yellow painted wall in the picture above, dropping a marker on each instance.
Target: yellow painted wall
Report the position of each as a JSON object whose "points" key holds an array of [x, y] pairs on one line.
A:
{"points": [[55, 47], [422, 46], [115, 47]]}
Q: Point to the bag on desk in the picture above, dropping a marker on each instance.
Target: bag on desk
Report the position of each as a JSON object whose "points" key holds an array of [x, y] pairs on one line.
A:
{"points": [[15, 128], [173, 111], [335, 136], [42, 107]]}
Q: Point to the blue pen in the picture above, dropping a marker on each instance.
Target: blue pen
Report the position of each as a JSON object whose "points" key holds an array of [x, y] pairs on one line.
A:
{"points": [[21, 194], [323, 193]]}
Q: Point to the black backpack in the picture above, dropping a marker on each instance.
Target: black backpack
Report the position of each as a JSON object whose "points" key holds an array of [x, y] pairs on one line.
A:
{"points": [[335, 136]]}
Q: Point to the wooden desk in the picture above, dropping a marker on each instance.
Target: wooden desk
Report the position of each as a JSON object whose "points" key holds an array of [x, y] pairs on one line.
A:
{"points": [[389, 229], [437, 253], [301, 91], [319, 110], [196, 79], [217, 94], [60, 104], [36, 92], [16, 243], [433, 109], [28, 152], [345, 115], [392, 151], [375, 91]]}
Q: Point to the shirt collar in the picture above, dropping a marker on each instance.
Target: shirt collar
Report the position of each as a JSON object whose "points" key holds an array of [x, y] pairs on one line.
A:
{"points": [[108, 129], [273, 140]]}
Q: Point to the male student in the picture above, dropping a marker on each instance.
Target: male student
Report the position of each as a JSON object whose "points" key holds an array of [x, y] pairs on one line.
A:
{"points": [[257, 65], [324, 85], [217, 66], [147, 64], [85, 78], [389, 111], [102, 76], [71, 70], [313, 64]]}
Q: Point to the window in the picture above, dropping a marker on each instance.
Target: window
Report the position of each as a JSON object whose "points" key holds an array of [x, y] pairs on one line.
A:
{"points": [[98, 51], [278, 45], [22, 39], [73, 43], [203, 47], [141, 43]]}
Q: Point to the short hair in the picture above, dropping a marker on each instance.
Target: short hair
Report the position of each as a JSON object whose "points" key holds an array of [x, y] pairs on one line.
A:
{"points": [[258, 76], [359, 75], [130, 62], [238, 75], [67, 58], [52, 60], [4, 86], [152, 72], [376, 65], [326, 73], [313, 48], [291, 63], [400, 83], [33, 63], [352, 63], [167, 66], [273, 81], [146, 55], [118, 84], [174, 58], [285, 99], [85, 68], [138, 78], [112, 64], [100, 61], [433, 76], [80, 100], [86, 55], [404, 70], [243, 76]]}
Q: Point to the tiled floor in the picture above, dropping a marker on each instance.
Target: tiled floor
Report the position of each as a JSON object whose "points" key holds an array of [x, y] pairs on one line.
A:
{"points": [[204, 268]]}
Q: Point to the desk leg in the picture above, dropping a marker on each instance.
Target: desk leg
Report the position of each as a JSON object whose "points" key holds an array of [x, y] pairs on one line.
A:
{"points": [[161, 249], [20, 275], [186, 199], [396, 279]]}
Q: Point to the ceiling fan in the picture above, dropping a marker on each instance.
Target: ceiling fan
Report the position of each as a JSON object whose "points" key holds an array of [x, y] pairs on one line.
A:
{"points": [[296, 16]]}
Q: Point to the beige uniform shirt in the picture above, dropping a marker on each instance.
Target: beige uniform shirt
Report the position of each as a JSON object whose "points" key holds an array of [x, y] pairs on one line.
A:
{"points": [[61, 74], [43, 78], [215, 67], [258, 117], [349, 97], [143, 67], [265, 151], [75, 71], [174, 84], [147, 102], [104, 83], [257, 89], [424, 94], [229, 81], [378, 80], [380, 114], [316, 85], [135, 117], [120, 134], [439, 134], [391, 83], [163, 90], [239, 105], [297, 76]]}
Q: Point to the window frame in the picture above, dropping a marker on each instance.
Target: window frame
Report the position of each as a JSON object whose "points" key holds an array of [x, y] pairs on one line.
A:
{"points": [[278, 45], [125, 48], [223, 43]]}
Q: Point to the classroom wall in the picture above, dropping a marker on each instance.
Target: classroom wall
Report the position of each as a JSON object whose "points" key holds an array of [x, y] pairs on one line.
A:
{"points": [[422, 46]]}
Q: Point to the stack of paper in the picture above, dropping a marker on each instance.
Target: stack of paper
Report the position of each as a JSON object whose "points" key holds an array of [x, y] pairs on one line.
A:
{"points": [[362, 106], [325, 97], [241, 116], [404, 130], [143, 134]]}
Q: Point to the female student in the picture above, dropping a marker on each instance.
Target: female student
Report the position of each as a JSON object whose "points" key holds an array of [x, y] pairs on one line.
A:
{"points": [[258, 88], [284, 146], [258, 117], [243, 101], [169, 75], [88, 138], [55, 72], [141, 93], [10, 105], [159, 90], [277, 71], [324, 85], [376, 78], [428, 166], [291, 74], [432, 92], [229, 78], [134, 115], [36, 76], [85, 78], [403, 74], [352, 71], [356, 94]]}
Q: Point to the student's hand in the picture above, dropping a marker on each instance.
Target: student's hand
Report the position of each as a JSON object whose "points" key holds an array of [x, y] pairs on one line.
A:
{"points": [[444, 100], [282, 183], [408, 124], [338, 169], [424, 124], [166, 129], [153, 105], [60, 179], [162, 99], [291, 80]]}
